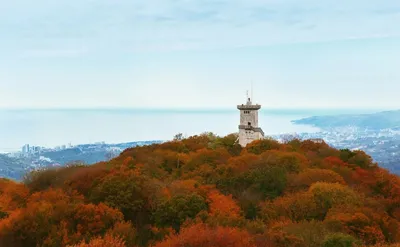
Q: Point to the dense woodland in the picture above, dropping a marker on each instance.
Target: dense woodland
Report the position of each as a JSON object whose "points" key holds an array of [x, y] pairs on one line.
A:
{"points": [[207, 191]]}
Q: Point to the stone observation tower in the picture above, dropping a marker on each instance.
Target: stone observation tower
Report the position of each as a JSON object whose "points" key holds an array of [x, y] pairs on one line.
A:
{"points": [[248, 128]]}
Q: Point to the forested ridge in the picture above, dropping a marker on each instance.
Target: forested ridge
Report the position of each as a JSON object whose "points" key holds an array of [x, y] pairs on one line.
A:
{"points": [[207, 191]]}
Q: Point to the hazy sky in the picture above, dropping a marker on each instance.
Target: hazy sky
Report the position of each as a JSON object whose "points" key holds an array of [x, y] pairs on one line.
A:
{"points": [[199, 53]]}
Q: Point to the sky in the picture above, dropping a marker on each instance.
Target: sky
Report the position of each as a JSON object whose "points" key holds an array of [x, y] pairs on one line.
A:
{"points": [[199, 53]]}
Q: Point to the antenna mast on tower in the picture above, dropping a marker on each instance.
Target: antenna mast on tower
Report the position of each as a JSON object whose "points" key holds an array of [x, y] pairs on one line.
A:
{"points": [[252, 99]]}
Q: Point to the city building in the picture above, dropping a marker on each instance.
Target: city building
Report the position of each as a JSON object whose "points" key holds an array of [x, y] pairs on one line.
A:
{"points": [[248, 128], [317, 140], [25, 149]]}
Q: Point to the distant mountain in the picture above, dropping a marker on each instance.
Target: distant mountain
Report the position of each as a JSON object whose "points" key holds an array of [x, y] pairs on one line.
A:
{"points": [[16, 165], [76, 154], [12, 167], [375, 121], [378, 134]]}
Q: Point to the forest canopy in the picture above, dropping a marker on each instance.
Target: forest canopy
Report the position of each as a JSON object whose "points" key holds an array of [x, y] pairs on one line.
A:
{"points": [[207, 190]]}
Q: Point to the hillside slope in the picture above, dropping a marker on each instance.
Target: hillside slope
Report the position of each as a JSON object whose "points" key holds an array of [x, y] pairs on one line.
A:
{"points": [[207, 191]]}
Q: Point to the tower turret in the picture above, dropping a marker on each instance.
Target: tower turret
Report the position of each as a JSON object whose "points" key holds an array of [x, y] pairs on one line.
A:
{"points": [[248, 127]]}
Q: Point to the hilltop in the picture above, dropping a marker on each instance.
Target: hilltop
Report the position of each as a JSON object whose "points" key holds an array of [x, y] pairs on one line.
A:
{"points": [[207, 191]]}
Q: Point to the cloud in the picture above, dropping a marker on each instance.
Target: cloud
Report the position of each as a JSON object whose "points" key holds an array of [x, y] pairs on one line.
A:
{"points": [[53, 53], [387, 11], [203, 47], [125, 26], [255, 23]]}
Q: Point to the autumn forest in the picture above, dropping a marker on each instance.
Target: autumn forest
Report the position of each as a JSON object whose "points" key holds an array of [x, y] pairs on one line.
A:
{"points": [[207, 190]]}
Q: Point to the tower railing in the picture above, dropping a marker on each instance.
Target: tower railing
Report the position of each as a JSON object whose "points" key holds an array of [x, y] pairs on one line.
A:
{"points": [[249, 107]]}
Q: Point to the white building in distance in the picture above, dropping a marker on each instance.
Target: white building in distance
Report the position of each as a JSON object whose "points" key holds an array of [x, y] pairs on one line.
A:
{"points": [[248, 128]]}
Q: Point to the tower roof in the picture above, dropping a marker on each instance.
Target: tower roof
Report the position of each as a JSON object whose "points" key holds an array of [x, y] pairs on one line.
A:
{"points": [[249, 106]]}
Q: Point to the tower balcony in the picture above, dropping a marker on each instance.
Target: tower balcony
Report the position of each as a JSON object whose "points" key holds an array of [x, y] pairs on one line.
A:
{"points": [[249, 107], [249, 127], [246, 127]]}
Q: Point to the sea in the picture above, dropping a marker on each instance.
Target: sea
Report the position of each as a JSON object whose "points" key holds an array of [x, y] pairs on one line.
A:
{"points": [[55, 127]]}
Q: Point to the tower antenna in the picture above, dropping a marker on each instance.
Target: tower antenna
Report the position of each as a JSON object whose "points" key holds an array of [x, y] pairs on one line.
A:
{"points": [[252, 99]]}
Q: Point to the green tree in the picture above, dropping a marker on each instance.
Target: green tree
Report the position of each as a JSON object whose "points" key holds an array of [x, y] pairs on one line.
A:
{"points": [[174, 211], [125, 192], [269, 182], [340, 240], [178, 137], [328, 195]]}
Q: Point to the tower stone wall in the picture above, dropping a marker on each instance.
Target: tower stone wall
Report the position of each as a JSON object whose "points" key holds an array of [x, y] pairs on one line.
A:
{"points": [[248, 127]]}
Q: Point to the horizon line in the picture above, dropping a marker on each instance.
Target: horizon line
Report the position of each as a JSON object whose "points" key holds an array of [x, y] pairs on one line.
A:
{"points": [[192, 108]]}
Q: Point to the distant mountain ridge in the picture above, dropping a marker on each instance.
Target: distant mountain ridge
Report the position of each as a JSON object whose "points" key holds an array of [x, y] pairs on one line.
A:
{"points": [[375, 121], [16, 165], [378, 134], [11, 167]]}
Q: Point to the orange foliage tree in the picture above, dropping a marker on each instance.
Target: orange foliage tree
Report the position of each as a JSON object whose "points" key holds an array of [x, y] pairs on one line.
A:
{"points": [[222, 205], [54, 218], [106, 241], [12, 196], [296, 207], [200, 235]]}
